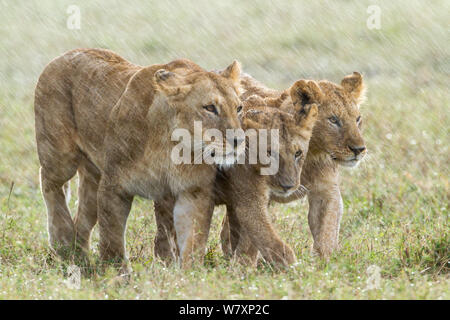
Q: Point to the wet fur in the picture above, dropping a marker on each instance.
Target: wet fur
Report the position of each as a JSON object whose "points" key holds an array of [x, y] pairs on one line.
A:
{"points": [[111, 121], [328, 148], [246, 192]]}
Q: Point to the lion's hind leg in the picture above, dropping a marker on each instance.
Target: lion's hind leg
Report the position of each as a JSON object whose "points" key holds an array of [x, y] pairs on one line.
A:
{"points": [[59, 157], [86, 217], [60, 224]]}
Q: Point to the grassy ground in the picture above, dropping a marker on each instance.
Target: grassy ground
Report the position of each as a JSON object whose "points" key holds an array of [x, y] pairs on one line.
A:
{"points": [[396, 202]]}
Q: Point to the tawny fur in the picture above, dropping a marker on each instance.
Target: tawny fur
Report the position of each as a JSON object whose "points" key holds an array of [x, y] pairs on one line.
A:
{"points": [[329, 147], [246, 192], [111, 121]]}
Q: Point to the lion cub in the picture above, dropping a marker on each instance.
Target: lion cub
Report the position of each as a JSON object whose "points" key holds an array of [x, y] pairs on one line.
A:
{"points": [[337, 140], [246, 192], [111, 121]]}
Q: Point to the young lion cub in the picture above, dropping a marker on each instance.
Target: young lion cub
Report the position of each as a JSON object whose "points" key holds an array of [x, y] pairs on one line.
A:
{"points": [[246, 192], [111, 121], [336, 141]]}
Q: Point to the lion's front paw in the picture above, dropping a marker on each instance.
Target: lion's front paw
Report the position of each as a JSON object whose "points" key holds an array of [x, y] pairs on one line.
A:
{"points": [[288, 255], [280, 255], [325, 250]]}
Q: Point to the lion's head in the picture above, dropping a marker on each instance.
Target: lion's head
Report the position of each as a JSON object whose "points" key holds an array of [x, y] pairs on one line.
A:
{"points": [[294, 133], [204, 101], [337, 131]]}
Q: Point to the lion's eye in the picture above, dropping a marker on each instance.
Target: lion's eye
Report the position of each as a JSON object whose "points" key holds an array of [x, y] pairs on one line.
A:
{"points": [[298, 154], [335, 120], [211, 108], [358, 119], [239, 109]]}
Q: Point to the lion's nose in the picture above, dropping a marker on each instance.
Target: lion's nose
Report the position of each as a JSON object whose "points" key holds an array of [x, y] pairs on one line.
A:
{"points": [[357, 149], [286, 187]]}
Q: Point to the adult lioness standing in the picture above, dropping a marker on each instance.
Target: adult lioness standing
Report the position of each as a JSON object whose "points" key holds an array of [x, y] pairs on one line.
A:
{"points": [[111, 121]]}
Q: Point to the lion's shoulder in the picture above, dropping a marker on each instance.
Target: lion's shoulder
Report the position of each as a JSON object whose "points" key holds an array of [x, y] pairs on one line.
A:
{"points": [[251, 86]]}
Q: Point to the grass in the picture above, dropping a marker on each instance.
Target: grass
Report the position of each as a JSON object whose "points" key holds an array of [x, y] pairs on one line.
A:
{"points": [[396, 203]]}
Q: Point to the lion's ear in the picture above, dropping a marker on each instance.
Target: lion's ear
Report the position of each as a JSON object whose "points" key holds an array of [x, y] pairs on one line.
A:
{"points": [[170, 83], [163, 74], [276, 102], [304, 92], [307, 116], [354, 85], [233, 72]]}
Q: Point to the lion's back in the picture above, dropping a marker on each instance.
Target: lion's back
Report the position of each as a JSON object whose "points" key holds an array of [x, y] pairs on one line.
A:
{"points": [[79, 89]]}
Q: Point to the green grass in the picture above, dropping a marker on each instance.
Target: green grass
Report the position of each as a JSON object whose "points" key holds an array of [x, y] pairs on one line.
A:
{"points": [[396, 202]]}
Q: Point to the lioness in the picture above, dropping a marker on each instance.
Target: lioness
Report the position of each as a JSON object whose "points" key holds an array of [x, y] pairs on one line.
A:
{"points": [[246, 191], [336, 140], [111, 121]]}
